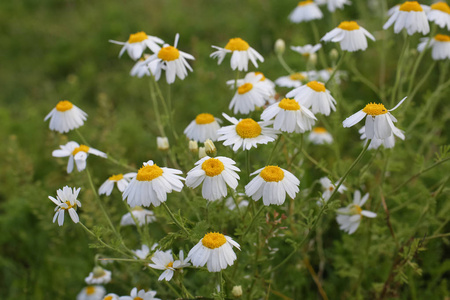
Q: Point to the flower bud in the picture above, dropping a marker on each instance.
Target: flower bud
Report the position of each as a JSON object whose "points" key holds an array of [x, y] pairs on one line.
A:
{"points": [[98, 272], [237, 291], [193, 146], [210, 148], [313, 59], [163, 143], [280, 46], [334, 54], [201, 152]]}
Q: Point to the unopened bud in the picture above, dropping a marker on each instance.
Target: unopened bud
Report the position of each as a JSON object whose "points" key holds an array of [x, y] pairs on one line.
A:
{"points": [[163, 143], [280, 46], [193, 146], [201, 152], [237, 291], [313, 59], [334, 54], [98, 271], [210, 148]]}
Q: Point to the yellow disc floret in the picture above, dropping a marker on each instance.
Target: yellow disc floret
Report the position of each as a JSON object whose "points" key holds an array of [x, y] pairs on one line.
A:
{"points": [[248, 128], [245, 88], [148, 173], [137, 298], [237, 44], [411, 6], [316, 86], [356, 209], [108, 298], [442, 38], [289, 104], [90, 290], [168, 53], [272, 174], [204, 119], [349, 25], [64, 106], [212, 167], [297, 76], [69, 206], [137, 37], [374, 109], [319, 130], [81, 148], [260, 73], [169, 265], [213, 240], [442, 6], [116, 177], [301, 3]]}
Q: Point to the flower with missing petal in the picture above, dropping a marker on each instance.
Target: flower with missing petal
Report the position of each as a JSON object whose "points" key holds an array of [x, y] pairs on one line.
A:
{"points": [[350, 36], [66, 199], [440, 14], [440, 46], [204, 127], [121, 180], [305, 11], [350, 217], [328, 188], [137, 43], [163, 260], [251, 93], [410, 15], [258, 79], [65, 117], [242, 53], [319, 136], [78, 153], [314, 96]]}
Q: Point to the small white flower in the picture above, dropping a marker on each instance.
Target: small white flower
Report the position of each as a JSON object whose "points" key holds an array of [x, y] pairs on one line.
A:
{"points": [[251, 93], [163, 260], [229, 202], [77, 153], [388, 142], [295, 80], [144, 252], [111, 296], [141, 68], [325, 74], [246, 133], [329, 187], [66, 199], [138, 295], [350, 36], [314, 96], [440, 14], [137, 43], [121, 180], [92, 292], [215, 174], [272, 183], [306, 50], [305, 11], [320, 136], [98, 276], [241, 54], [332, 5], [440, 46], [262, 81], [143, 216], [215, 250], [152, 184], [349, 217], [204, 127], [65, 117], [379, 121], [409, 15]]}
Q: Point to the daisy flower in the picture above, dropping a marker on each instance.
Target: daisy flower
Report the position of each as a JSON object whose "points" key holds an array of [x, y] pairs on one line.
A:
{"points": [[152, 184], [440, 46], [172, 60], [141, 68], [306, 50], [379, 121], [440, 14], [204, 127], [388, 142], [215, 250], [289, 116], [111, 296], [305, 11], [252, 92], [294, 80], [319, 136], [98, 276], [140, 295], [92, 292], [215, 174], [409, 15], [332, 5], [78, 153], [231, 205], [272, 184], [350, 36], [163, 260], [65, 117], [315, 96], [142, 253], [66, 199], [246, 133], [325, 74], [262, 81], [143, 216], [241, 54], [349, 217], [329, 187], [137, 43], [121, 180]]}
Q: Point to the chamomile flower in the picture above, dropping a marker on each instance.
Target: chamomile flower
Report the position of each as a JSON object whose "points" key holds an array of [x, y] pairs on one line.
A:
{"points": [[98, 276], [204, 127], [66, 199], [262, 81], [295, 80], [241, 54], [306, 50], [388, 142], [121, 180], [111, 296], [65, 117], [140, 295], [315, 96], [332, 5], [328, 188], [172, 60], [305, 11], [137, 43], [215, 250], [78, 153], [320, 136], [379, 121], [325, 74], [289, 116], [142, 216], [231, 205], [350, 36], [142, 68], [246, 133], [440, 14], [152, 184], [163, 260], [409, 15], [144, 252], [350, 217], [250, 94], [440, 46], [215, 174], [92, 292], [272, 183]]}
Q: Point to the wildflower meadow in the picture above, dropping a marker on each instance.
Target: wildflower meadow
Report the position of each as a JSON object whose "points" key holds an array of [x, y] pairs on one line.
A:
{"points": [[225, 150]]}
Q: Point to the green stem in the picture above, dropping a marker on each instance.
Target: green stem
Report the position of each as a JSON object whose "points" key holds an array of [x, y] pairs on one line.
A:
{"points": [[317, 41], [253, 220], [115, 161], [399, 69], [157, 115], [169, 104], [247, 162], [273, 150], [81, 137], [338, 65], [284, 64], [101, 241], [172, 216]]}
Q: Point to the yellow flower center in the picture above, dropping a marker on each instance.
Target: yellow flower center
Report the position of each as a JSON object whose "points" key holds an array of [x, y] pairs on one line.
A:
{"points": [[297, 76], [302, 3], [82, 148], [356, 209], [64, 105], [148, 173], [90, 290], [137, 37], [260, 73], [442, 6], [204, 119], [375, 109], [69, 206], [331, 188], [137, 298], [168, 53], [319, 130], [213, 240], [272, 174], [108, 298], [237, 44], [248, 128], [116, 177], [349, 25], [316, 86], [411, 6], [442, 38], [212, 167], [245, 88], [169, 265], [289, 104]]}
